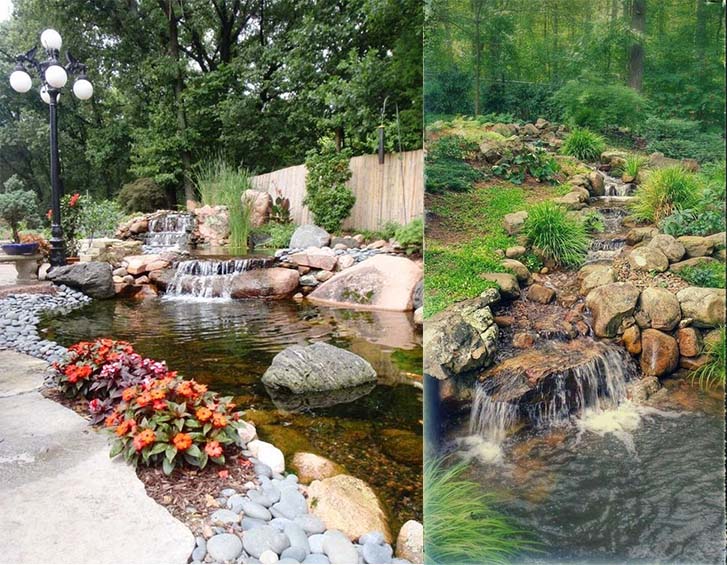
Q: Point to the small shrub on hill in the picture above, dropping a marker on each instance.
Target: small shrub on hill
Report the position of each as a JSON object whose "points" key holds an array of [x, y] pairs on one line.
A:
{"points": [[599, 105], [664, 192], [584, 145]]}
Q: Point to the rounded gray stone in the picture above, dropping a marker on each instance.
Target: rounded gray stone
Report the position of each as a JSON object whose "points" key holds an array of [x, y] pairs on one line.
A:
{"points": [[254, 510], [224, 547], [316, 559], [224, 517], [311, 524], [375, 553], [258, 540]]}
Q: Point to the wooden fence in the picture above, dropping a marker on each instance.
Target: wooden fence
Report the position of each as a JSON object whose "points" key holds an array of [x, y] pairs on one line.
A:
{"points": [[393, 191]]}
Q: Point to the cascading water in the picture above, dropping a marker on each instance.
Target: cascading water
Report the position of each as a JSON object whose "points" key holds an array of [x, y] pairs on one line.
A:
{"points": [[169, 232], [608, 243], [615, 187], [210, 279]]}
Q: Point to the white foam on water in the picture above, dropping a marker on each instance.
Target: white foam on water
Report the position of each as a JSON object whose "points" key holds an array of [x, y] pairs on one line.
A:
{"points": [[484, 451]]}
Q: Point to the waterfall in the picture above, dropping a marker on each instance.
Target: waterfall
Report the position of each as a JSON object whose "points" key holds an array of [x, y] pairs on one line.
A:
{"points": [[210, 279], [605, 246], [616, 188], [167, 233]]}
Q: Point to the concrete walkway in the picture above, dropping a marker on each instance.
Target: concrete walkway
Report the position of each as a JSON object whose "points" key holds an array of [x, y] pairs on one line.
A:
{"points": [[62, 500]]}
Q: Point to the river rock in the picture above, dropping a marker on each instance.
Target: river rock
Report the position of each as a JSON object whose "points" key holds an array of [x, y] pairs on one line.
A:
{"points": [[93, 278], [316, 258], [690, 342], [309, 235], [610, 304], [316, 368], [659, 353], [691, 263], [706, 306], [507, 283], [310, 467], [662, 308], [712, 338], [614, 158], [339, 549], [696, 246], [669, 246], [462, 338], [637, 235], [410, 542], [571, 201], [382, 282], [514, 222], [224, 547], [260, 203], [632, 339], [515, 251], [267, 454], [540, 293], [347, 504], [597, 183], [520, 271], [275, 282], [648, 259], [595, 275], [264, 538]]}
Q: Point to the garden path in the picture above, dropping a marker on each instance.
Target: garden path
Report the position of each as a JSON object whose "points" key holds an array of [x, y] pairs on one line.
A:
{"points": [[62, 499]]}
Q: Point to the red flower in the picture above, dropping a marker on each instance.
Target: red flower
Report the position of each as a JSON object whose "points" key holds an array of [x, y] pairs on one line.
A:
{"points": [[49, 214], [146, 437], [159, 404], [213, 449], [223, 474], [74, 199]]}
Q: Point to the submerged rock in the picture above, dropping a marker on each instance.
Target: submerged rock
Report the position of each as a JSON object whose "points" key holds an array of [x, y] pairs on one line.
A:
{"points": [[316, 368], [285, 400], [311, 467]]}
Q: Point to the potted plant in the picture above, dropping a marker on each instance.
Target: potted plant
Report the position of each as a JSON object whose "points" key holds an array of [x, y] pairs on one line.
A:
{"points": [[16, 205]]}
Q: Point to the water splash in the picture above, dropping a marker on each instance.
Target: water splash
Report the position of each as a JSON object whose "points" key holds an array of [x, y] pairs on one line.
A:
{"points": [[168, 233], [210, 279]]}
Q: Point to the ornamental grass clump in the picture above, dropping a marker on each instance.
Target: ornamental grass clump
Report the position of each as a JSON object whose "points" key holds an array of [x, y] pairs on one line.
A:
{"points": [[711, 375], [555, 235], [584, 145], [170, 421], [664, 192]]}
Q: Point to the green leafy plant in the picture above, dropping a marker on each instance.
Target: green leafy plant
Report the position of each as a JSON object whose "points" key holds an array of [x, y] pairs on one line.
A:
{"points": [[220, 184], [461, 524], [556, 235], [450, 175], [707, 216], [410, 236], [452, 147], [709, 275], [682, 139], [538, 164], [593, 221], [142, 195], [664, 192], [99, 218], [279, 234], [327, 196], [17, 205], [584, 145], [280, 210], [712, 374], [600, 105], [634, 163]]}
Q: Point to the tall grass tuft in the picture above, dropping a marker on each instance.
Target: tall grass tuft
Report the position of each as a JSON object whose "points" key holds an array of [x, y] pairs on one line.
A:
{"points": [[461, 525], [665, 191], [634, 163], [711, 375], [556, 235], [220, 184], [584, 145]]}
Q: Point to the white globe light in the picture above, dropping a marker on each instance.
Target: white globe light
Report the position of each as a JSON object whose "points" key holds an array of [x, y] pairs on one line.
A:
{"points": [[20, 81], [56, 76], [83, 89], [45, 97], [51, 39]]}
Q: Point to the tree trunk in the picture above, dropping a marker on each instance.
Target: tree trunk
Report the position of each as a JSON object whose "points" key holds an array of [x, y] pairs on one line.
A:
{"points": [[636, 52]]}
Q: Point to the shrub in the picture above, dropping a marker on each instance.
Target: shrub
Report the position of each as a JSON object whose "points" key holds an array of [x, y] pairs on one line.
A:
{"points": [[600, 105], [449, 175], [664, 192], [451, 147], [143, 195], [712, 374], [99, 218], [461, 524], [72, 208], [327, 196], [538, 164], [709, 275], [557, 236], [584, 145], [682, 139], [220, 184], [16, 204], [279, 234], [410, 236], [170, 420], [634, 163]]}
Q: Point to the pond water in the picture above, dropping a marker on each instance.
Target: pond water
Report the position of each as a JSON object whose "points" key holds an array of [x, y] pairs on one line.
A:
{"points": [[375, 434], [631, 485]]}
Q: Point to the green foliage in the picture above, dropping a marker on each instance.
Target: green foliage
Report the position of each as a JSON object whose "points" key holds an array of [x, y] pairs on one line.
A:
{"points": [[410, 236], [460, 520], [220, 184], [539, 164], [584, 145], [634, 163], [664, 192], [710, 275], [450, 175], [279, 234], [99, 218], [17, 204], [557, 236], [327, 196], [600, 106], [451, 147], [386, 231], [142, 195], [682, 139], [593, 221], [712, 374]]}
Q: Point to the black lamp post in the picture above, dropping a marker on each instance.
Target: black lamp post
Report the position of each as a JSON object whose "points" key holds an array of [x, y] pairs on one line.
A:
{"points": [[53, 76]]}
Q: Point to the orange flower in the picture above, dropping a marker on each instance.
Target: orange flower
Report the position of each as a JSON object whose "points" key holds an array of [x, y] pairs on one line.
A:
{"points": [[203, 414], [49, 214], [74, 199], [144, 399], [112, 419], [198, 388], [182, 441], [158, 394], [125, 427], [129, 393], [146, 437], [159, 404], [213, 449], [185, 389], [223, 474], [219, 420]]}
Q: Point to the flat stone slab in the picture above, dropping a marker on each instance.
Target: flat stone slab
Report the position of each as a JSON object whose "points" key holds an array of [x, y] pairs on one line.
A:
{"points": [[63, 499]]}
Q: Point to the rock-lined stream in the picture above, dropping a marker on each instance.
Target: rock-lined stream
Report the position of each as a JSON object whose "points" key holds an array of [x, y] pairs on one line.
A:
{"points": [[375, 433]]}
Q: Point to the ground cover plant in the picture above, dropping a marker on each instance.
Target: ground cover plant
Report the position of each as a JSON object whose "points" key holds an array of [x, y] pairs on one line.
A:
{"points": [[584, 145], [664, 192], [538, 164], [711, 275], [556, 235]]}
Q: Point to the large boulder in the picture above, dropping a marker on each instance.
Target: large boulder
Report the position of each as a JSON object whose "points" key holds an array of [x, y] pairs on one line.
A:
{"points": [[260, 203], [507, 283], [316, 258], [462, 338], [212, 224], [696, 246], [669, 246], [610, 304], [637, 235], [706, 306], [311, 467], [690, 342], [661, 307], [597, 184], [659, 353], [316, 368], [93, 278], [648, 259], [520, 271], [691, 263], [382, 282], [309, 235], [275, 282], [349, 505], [571, 201], [595, 275]]}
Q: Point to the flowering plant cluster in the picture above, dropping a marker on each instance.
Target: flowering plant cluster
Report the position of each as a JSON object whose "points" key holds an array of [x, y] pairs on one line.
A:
{"points": [[169, 420], [71, 212]]}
